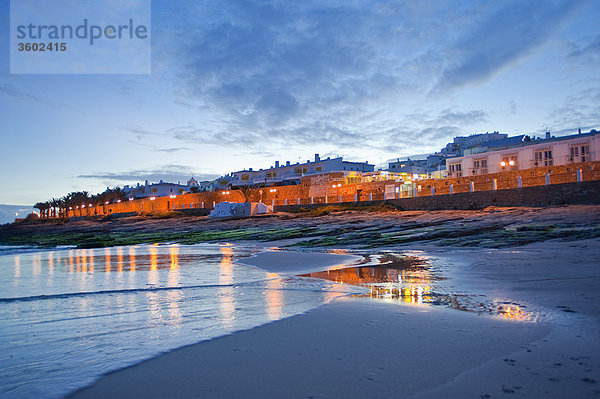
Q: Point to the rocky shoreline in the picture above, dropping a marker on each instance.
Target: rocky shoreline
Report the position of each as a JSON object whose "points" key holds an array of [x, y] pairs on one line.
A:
{"points": [[492, 227]]}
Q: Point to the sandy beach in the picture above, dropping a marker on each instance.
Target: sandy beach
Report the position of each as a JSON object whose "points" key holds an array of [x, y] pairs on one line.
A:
{"points": [[365, 347]]}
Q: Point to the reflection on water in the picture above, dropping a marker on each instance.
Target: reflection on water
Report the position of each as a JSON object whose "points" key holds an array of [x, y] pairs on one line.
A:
{"points": [[174, 256], [274, 296], [410, 279], [71, 315], [226, 291]]}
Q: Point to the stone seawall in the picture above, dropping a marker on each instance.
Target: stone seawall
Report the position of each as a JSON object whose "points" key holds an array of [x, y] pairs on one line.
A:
{"points": [[537, 196]]}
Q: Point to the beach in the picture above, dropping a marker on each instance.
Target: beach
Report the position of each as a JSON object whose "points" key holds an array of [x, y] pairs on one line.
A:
{"points": [[386, 348]]}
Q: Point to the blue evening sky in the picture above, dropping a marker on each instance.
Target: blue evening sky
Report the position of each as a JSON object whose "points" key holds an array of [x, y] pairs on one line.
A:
{"points": [[239, 84]]}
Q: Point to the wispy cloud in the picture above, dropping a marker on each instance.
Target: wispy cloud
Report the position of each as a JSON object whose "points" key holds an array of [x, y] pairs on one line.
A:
{"points": [[589, 50], [579, 110], [335, 72], [169, 173], [16, 92], [10, 90], [503, 37]]}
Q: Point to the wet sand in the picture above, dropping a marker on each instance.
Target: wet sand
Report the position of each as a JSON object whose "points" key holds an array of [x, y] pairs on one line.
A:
{"points": [[362, 347], [292, 262]]}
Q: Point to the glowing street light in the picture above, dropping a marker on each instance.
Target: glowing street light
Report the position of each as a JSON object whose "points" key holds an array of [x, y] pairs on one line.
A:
{"points": [[511, 162], [152, 198], [503, 163]]}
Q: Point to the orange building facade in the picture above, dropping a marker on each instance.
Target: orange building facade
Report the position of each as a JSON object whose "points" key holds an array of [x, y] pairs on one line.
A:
{"points": [[341, 188]]}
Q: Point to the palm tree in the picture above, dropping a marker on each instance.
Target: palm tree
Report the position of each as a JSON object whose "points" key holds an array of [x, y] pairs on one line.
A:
{"points": [[43, 207]]}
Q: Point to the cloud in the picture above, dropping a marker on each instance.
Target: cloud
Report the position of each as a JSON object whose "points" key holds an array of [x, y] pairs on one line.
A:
{"points": [[452, 116], [18, 93], [580, 110], [173, 149], [337, 73], [505, 36], [169, 173], [15, 92], [589, 50]]}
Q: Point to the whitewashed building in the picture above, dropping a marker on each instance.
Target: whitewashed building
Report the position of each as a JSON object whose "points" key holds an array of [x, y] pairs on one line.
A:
{"points": [[526, 154], [292, 173]]}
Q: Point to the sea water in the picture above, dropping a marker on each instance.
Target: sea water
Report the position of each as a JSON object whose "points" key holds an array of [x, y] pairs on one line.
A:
{"points": [[67, 316]]}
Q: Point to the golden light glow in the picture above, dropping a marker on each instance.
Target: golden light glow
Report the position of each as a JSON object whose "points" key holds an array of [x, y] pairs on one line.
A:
{"points": [[120, 259], [71, 262], [153, 258], [91, 260], [503, 163], [174, 255], [51, 262], [107, 260], [17, 266], [132, 259], [227, 294], [37, 264], [83, 260], [274, 296]]}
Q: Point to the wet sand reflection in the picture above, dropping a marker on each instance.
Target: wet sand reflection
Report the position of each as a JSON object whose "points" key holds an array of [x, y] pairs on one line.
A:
{"points": [[274, 296], [409, 279], [226, 293]]}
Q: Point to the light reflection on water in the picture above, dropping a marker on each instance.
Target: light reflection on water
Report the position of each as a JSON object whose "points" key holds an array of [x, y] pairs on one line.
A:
{"points": [[412, 279], [71, 315]]}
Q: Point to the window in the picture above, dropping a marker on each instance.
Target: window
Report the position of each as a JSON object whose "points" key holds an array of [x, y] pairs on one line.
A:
{"points": [[543, 157], [579, 152], [319, 168], [154, 190]]}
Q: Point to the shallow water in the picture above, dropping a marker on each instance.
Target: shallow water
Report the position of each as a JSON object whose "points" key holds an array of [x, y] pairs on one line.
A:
{"points": [[68, 316], [417, 278]]}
